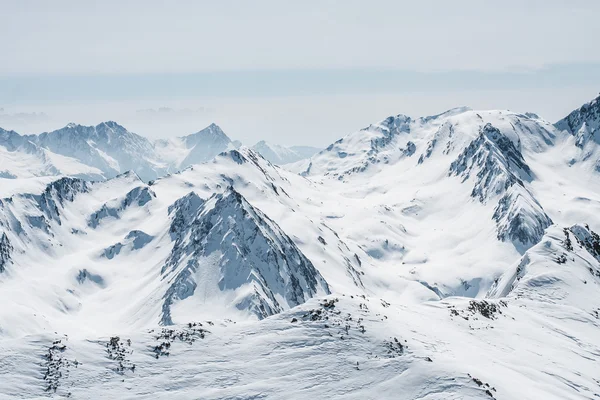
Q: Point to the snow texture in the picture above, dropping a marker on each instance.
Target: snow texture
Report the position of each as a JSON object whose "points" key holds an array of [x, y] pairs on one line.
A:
{"points": [[454, 256]]}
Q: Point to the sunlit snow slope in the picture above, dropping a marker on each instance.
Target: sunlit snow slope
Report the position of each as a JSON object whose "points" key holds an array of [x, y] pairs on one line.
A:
{"points": [[446, 257]]}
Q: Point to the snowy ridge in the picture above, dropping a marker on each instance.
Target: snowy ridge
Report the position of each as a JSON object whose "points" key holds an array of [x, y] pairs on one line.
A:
{"points": [[451, 256], [584, 125], [255, 258], [500, 170], [137, 196], [564, 268], [108, 149]]}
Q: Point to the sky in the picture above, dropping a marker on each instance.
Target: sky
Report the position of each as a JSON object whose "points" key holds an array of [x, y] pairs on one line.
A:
{"points": [[288, 72]]}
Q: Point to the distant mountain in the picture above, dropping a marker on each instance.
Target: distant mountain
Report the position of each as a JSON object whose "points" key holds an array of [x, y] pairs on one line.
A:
{"points": [[108, 149], [448, 256], [20, 157], [104, 151], [279, 154], [196, 148]]}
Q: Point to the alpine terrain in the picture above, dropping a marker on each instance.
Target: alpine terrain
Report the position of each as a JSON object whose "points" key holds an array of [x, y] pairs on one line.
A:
{"points": [[454, 256]]}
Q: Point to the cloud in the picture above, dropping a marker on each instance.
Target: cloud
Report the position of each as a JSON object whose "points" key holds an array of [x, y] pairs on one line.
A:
{"points": [[153, 36]]}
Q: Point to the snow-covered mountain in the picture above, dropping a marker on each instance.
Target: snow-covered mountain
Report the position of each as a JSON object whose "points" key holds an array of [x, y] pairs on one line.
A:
{"points": [[451, 256], [196, 148], [278, 154], [108, 149], [584, 125]]}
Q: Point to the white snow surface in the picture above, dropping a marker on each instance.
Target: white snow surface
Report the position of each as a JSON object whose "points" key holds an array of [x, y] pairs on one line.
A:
{"points": [[445, 257], [109, 149]]}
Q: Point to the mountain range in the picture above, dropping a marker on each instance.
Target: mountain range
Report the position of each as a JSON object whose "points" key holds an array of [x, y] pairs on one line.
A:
{"points": [[109, 149], [453, 256]]}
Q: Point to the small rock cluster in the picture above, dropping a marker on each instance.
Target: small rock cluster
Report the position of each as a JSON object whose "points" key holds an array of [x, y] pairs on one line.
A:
{"points": [[485, 386], [56, 366], [487, 309], [394, 348], [188, 334], [349, 325], [118, 352]]}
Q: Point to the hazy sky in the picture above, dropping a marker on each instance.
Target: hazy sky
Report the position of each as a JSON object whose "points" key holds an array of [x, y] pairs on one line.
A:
{"points": [[303, 72]]}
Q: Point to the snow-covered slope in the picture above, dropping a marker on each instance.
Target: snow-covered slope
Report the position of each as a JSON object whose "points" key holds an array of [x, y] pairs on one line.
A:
{"points": [[584, 125], [21, 158], [444, 257], [280, 155], [196, 148], [104, 151], [108, 147]]}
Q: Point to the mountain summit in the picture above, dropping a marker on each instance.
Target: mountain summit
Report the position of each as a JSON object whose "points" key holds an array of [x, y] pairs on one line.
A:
{"points": [[450, 256]]}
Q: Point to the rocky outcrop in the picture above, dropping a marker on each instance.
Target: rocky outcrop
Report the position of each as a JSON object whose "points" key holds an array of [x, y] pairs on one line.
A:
{"points": [[497, 168], [250, 254]]}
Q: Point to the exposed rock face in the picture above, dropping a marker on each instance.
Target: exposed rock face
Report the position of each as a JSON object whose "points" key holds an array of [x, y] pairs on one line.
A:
{"points": [[107, 146], [59, 192], [499, 169], [252, 256], [5, 252], [563, 268], [138, 196], [520, 217], [583, 123], [494, 161]]}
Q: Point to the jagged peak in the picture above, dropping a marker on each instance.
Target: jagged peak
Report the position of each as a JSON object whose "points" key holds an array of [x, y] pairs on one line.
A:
{"points": [[393, 124], [588, 112], [65, 183], [257, 255], [188, 205], [494, 160], [112, 125], [8, 131], [262, 143], [211, 131], [556, 270]]}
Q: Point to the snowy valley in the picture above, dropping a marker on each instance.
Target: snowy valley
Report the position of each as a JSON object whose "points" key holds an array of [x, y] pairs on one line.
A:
{"points": [[454, 256]]}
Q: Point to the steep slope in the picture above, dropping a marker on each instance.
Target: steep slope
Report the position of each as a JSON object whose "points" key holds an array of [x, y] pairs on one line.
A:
{"points": [[180, 253], [196, 148], [229, 244], [104, 151], [499, 169], [108, 147], [20, 158], [584, 125], [564, 268], [423, 258], [461, 188]]}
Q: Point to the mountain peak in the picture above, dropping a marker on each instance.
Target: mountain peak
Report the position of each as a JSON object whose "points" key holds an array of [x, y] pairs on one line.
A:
{"points": [[583, 123], [212, 133], [111, 125], [258, 261]]}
